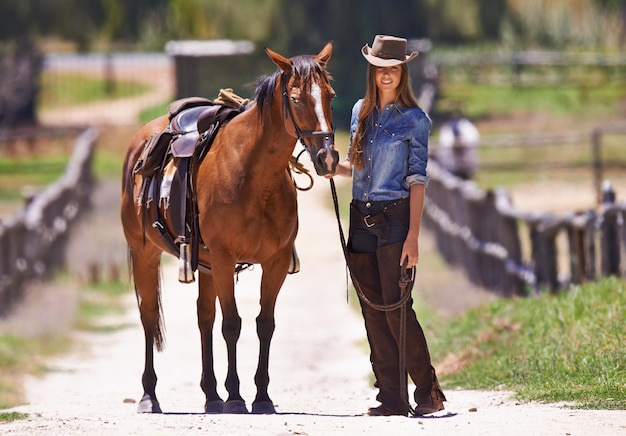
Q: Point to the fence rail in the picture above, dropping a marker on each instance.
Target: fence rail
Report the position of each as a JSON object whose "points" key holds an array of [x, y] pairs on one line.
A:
{"points": [[32, 241], [482, 233]]}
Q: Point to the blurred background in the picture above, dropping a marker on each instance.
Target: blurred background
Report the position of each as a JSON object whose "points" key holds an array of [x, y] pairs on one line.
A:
{"points": [[528, 96]]}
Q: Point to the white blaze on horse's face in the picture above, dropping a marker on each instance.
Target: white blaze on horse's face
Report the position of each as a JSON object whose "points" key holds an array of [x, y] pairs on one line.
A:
{"points": [[316, 93]]}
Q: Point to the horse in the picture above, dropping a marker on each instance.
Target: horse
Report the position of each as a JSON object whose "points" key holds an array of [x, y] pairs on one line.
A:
{"points": [[247, 214]]}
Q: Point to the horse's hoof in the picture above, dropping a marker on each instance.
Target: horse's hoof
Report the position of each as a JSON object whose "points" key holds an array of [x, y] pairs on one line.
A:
{"points": [[148, 405], [263, 408], [214, 406], [236, 407]]}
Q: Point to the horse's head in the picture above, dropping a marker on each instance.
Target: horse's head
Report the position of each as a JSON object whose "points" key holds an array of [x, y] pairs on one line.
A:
{"points": [[307, 96]]}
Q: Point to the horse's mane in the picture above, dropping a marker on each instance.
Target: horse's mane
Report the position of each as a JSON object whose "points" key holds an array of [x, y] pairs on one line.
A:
{"points": [[304, 66]]}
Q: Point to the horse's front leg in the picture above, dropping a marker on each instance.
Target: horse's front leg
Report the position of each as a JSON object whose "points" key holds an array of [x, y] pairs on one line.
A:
{"points": [[271, 282], [224, 282], [206, 321]]}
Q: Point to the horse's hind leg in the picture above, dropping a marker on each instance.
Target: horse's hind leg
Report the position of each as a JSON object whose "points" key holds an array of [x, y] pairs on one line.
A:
{"points": [[145, 268], [206, 321]]}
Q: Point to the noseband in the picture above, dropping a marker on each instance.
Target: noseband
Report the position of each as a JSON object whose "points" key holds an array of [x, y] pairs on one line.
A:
{"points": [[328, 137]]}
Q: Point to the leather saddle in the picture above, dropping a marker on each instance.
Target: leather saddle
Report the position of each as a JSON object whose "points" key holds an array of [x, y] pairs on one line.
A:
{"points": [[167, 164]]}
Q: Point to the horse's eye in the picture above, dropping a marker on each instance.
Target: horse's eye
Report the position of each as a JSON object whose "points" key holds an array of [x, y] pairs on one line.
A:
{"points": [[295, 100]]}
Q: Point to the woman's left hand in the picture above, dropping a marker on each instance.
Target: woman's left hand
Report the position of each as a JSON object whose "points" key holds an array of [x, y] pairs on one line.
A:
{"points": [[410, 252]]}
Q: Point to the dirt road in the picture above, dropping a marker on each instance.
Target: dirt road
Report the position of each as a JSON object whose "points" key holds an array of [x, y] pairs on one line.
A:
{"points": [[318, 365]]}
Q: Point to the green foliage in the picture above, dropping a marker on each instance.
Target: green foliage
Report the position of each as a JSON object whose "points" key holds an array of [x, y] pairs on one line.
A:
{"points": [[522, 23], [566, 347]]}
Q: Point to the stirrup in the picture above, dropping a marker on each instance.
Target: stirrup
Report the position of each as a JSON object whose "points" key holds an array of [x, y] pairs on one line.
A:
{"points": [[185, 272], [294, 264]]}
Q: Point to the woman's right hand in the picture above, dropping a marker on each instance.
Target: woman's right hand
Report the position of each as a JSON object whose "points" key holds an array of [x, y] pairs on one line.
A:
{"points": [[343, 169]]}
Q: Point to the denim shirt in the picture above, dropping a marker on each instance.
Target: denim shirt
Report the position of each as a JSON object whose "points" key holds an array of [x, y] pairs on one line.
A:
{"points": [[395, 153]]}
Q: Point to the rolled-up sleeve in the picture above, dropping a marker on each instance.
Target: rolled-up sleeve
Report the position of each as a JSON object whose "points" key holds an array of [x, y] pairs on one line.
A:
{"points": [[418, 151], [354, 119]]}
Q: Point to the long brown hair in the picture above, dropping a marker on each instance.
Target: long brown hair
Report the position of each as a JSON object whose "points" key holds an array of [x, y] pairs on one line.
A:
{"points": [[406, 98]]}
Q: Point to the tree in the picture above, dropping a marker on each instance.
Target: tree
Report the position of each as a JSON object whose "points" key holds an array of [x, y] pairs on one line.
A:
{"points": [[305, 26]]}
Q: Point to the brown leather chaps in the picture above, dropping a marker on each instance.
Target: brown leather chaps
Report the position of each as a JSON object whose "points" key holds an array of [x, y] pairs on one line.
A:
{"points": [[378, 275]]}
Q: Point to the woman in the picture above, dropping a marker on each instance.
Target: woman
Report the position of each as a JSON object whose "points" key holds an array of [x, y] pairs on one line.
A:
{"points": [[387, 161]]}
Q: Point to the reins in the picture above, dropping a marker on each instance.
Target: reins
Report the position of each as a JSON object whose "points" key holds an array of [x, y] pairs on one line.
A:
{"points": [[298, 168], [406, 278]]}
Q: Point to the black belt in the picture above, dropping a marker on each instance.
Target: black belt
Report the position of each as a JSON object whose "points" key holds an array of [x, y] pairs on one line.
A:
{"points": [[372, 213]]}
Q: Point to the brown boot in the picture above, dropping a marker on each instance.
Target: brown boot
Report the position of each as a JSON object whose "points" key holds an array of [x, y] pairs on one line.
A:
{"points": [[384, 351], [433, 402]]}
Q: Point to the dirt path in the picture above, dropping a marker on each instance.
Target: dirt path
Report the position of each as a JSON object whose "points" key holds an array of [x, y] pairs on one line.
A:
{"points": [[319, 368]]}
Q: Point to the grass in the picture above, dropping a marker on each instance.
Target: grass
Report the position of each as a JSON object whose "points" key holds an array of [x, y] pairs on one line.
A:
{"points": [[478, 101], [568, 347], [67, 89], [34, 172], [12, 416], [100, 300], [153, 112], [21, 355]]}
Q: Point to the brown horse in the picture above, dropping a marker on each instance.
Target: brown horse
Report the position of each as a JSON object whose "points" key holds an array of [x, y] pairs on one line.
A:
{"points": [[246, 203]]}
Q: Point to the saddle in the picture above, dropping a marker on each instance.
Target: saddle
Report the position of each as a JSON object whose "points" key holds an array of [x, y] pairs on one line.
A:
{"points": [[167, 164]]}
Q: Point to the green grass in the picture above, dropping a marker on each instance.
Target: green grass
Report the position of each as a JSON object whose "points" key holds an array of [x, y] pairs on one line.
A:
{"points": [[153, 112], [27, 355], [67, 89], [12, 416], [19, 355], [35, 172], [98, 301], [482, 100], [568, 347]]}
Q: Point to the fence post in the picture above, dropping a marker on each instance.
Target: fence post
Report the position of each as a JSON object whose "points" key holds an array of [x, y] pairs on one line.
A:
{"points": [[484, 228], [581, 238], [543, 238], [610, 241], [468, 215], [510, 240]]}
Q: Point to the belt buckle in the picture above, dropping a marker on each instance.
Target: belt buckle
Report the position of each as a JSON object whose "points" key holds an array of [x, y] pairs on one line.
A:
{"points": [[368, 225]]}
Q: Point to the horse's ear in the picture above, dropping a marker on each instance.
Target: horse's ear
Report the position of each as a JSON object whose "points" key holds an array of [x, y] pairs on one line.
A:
{"points": [[324, 56], [283, 63]]}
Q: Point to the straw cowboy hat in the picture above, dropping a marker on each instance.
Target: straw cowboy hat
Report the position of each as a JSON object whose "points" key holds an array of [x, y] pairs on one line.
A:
{"points": [[387, 51]]}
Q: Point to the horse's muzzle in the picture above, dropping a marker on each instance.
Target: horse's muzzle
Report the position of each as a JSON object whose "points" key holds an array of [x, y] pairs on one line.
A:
{"points": [[326, 161]]}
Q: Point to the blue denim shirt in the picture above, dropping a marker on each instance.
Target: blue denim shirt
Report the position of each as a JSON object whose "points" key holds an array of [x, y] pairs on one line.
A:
{"points": [[395, 153]]}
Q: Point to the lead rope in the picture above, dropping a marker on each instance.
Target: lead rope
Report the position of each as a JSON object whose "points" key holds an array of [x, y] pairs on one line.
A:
{"points": [[406, 278]]}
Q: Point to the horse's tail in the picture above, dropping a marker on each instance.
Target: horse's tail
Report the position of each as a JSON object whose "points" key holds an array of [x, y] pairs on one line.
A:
{"points": [[158, 329]]}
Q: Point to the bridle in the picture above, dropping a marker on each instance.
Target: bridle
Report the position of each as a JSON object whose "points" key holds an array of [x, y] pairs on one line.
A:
{"points": [[328, 138]]}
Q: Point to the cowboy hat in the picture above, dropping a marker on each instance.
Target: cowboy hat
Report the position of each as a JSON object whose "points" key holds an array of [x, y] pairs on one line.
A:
{"points": [[387, 51]]}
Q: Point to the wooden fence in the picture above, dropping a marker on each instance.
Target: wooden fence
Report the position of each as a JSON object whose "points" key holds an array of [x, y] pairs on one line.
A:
{"points": [[32, 241], [516, 253]]}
